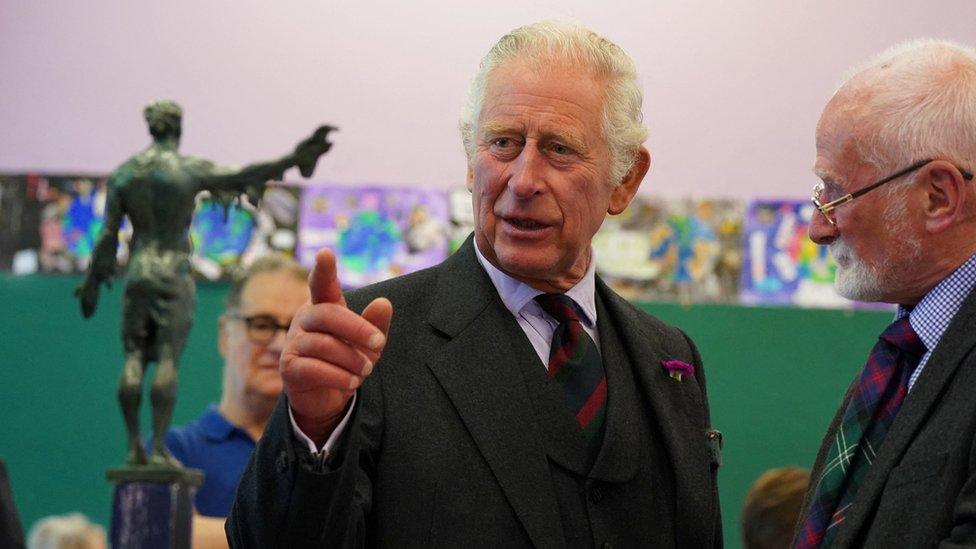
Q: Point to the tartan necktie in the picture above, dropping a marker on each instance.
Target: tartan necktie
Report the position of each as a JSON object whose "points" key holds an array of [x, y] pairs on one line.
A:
{"points": [[575, 363], [874, 403]]}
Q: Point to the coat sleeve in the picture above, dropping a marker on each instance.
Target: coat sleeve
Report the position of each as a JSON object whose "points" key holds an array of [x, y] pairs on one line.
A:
{"points": [[288, 498]]}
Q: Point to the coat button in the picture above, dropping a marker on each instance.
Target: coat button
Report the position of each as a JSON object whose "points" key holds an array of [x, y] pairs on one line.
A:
{"points": [[596, 494], [607, 545]]}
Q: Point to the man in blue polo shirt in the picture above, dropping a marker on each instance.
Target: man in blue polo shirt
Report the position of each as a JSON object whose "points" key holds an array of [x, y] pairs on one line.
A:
{"points": [[259, 307]]}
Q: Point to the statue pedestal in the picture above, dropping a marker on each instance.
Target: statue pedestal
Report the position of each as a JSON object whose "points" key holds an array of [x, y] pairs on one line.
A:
{"points": [[153, 506]]}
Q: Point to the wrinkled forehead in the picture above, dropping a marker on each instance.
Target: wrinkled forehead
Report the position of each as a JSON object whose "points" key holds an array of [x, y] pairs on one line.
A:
{"points": [[840, 164], [849, 106], [546, 66], [271, 290], [844, 126]]}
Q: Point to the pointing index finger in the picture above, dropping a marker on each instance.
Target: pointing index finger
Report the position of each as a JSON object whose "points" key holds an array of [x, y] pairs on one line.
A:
{"points": [[323, 281]]}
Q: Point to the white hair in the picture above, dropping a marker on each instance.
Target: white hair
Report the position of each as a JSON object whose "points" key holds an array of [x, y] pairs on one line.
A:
{"points": [[916, 100], [72, 531], [548, 41]]}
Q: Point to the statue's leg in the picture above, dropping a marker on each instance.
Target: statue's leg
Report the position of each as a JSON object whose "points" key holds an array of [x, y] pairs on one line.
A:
{"points": [[130, 393], [163, 397], [174, 318]]}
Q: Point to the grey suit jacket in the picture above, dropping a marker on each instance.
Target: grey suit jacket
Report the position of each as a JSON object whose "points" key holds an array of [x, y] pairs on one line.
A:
{"points": [[921, 489], [445, 446]]}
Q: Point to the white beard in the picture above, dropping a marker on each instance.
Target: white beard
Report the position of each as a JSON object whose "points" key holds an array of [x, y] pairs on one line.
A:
{"points": [[857, 280], [862, 282]]}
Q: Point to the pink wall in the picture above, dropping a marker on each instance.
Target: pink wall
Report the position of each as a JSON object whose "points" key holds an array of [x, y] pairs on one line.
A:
{"points": [[733, 88]]}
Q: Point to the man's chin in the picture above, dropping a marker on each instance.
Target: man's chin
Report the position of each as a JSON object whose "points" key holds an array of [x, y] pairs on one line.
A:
{"points": [[850, 286], [525, 264], [266, 394]]}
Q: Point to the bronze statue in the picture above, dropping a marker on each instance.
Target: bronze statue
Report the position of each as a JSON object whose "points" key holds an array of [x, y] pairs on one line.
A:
{"points": [[157, 188]]}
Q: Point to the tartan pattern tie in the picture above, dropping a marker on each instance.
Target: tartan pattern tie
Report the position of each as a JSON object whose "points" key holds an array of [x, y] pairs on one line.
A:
{"points": [[870, 412], [575, 363]]}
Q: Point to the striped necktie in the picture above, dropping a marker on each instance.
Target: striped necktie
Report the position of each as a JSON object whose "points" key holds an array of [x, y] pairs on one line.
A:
{"points": [[575, 363], [874, 403]]}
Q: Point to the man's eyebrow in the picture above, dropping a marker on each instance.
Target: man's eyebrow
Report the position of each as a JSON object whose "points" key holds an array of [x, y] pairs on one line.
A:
{"points": [[823, 174], [497, 128]]}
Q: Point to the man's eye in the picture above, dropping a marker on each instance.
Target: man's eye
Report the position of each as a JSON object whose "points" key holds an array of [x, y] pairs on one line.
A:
{"points": [[559, 148], [263, 324], [502, 142], [831, 193]]}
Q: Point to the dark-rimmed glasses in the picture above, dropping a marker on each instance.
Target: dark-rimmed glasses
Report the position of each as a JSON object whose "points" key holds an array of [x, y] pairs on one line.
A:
{"points": [[829, 207], [261, 329]]}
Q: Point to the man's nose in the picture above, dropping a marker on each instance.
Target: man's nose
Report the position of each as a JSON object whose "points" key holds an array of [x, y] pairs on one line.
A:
{"points": [[527, 178], [820, 230]]}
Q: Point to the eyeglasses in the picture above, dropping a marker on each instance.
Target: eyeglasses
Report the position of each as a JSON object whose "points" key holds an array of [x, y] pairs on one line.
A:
{"points": [[261, 329], [828, 208]]}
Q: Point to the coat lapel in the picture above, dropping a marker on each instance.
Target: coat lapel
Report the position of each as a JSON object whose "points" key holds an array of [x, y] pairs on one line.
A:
{"points": [[480, 369], [677, 409], [619, 455], [957, 341]]}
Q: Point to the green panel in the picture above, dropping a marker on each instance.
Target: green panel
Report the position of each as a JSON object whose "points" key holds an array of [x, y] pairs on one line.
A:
{"points": [[61, 426], [775, 377]]}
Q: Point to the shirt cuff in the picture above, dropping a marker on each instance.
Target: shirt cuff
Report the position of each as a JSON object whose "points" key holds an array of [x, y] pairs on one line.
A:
{"points": [[325, 451]]}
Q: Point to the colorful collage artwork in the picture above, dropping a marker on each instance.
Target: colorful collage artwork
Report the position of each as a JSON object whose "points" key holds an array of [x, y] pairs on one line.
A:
{"points": [[227, 240], [377, 233], [680, 250], [781, 266], [462, 216], [49, 223]]}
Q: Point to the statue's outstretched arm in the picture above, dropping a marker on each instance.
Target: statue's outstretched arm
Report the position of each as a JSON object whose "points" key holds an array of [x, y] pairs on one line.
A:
{"points": [[252, 179], [103, 262]]}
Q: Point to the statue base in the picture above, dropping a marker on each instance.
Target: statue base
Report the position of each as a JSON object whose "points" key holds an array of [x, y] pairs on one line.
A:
{"points": [[153, 506]]}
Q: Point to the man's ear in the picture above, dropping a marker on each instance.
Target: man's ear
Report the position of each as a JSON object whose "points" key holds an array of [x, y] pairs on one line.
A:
{"points": [[945, 196], [222, 335], [469, 183], [623, 193]]}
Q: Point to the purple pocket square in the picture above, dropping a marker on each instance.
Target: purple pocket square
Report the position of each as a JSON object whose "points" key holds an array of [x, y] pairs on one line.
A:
{"points": [[678, 368]]}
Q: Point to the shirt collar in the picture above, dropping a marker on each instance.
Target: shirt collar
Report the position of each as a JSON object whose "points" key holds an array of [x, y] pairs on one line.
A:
{"points": [[931, 317], [216, 426], [516, 294]]}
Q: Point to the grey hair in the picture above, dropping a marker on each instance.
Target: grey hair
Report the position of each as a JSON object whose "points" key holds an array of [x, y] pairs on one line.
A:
{"points": [[916, 100], [271, 263], [546, 41], [72, 531]]}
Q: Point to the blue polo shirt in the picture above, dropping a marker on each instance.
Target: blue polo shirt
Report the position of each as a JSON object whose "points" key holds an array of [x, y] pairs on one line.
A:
{"points": [[221, 450]]}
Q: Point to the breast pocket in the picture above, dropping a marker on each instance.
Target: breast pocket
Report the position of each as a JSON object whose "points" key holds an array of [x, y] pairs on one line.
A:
{"points": [[912, 509], [916, 471]]}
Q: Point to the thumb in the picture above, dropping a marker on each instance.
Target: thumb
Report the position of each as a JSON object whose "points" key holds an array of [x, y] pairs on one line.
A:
{"points": [[323, 281]]}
